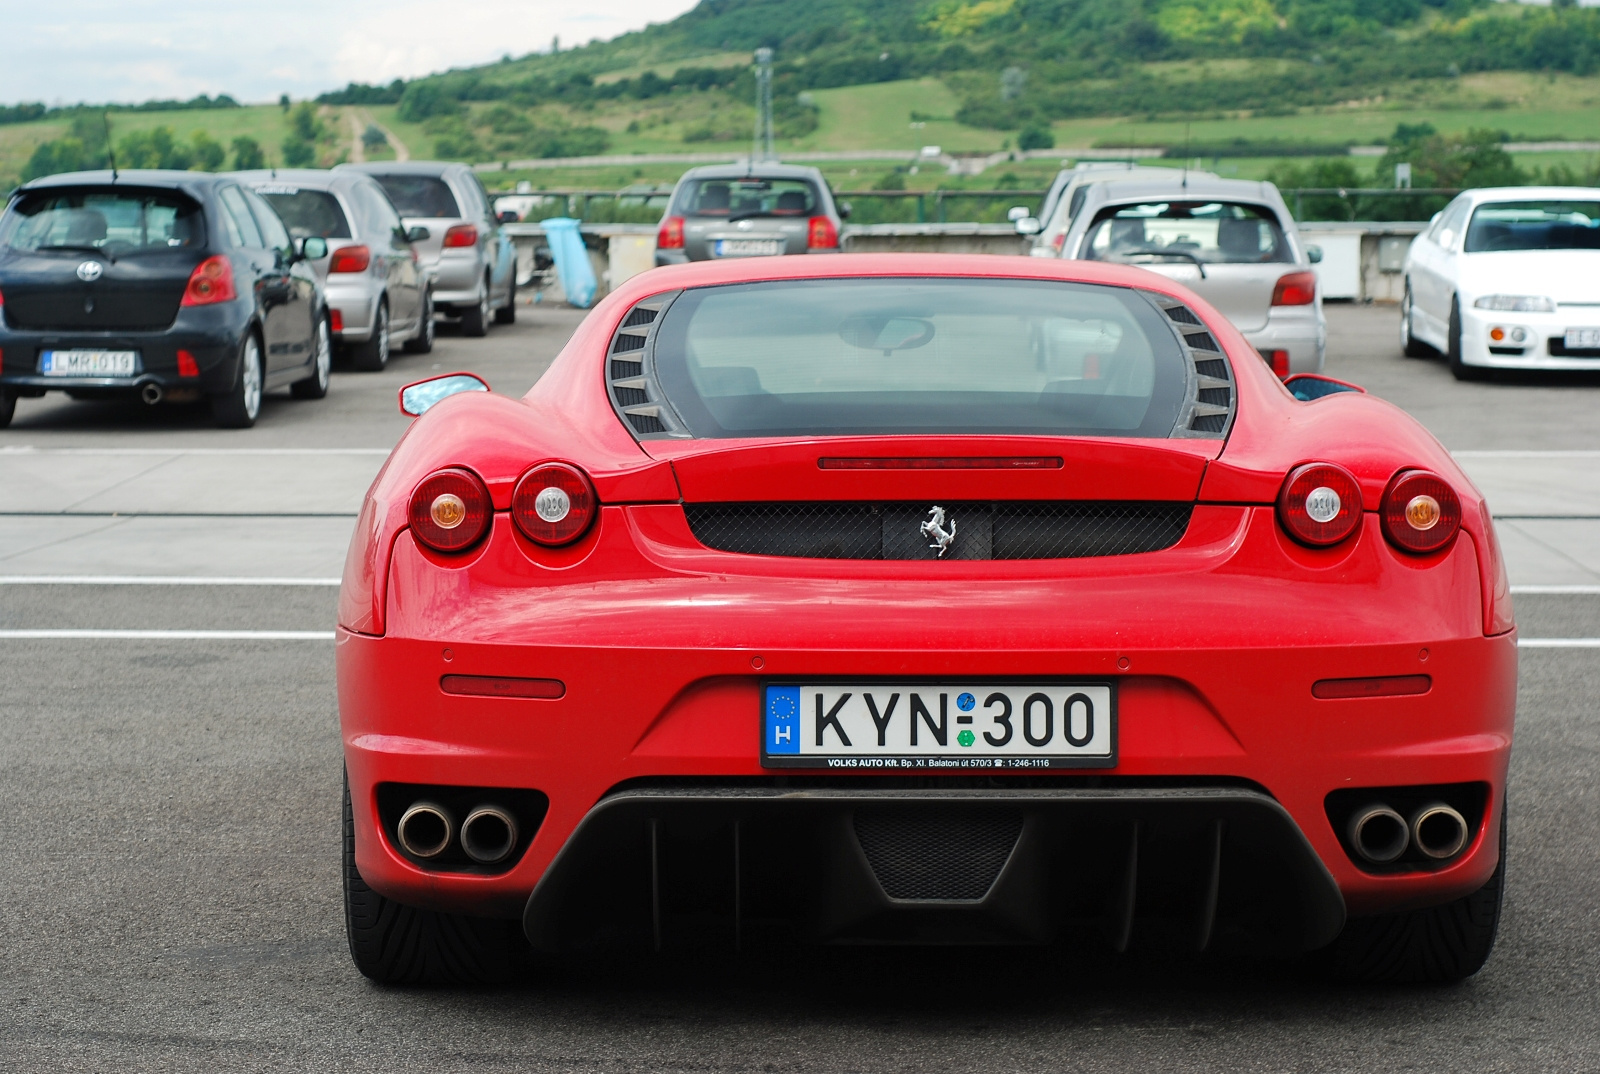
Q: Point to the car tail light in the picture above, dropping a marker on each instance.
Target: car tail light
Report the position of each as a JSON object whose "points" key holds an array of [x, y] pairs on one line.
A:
{"points": [[1295, 289], [670, 235], [210, 282], [821, 234], [335, 321], [450, 510], [350, 259], [1059, 241], [1279, 361], [461, 235], [554, 504], [1420, 512], [187, 366], [1320, 504]]}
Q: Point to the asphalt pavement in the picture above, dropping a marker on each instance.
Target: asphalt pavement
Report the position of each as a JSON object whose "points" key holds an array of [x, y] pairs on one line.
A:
{"points": [[169, 888]]}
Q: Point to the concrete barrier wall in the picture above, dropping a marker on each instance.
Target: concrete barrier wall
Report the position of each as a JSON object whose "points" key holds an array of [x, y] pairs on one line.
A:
{"points": [[1361, 263]]}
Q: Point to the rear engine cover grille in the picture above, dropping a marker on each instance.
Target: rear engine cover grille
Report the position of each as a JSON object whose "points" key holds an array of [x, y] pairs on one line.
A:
{"points": [[1008, 530], [937, 853]]}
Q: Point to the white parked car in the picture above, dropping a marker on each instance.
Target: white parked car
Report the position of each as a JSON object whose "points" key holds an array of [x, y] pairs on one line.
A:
{"points": [[1507, 278]]}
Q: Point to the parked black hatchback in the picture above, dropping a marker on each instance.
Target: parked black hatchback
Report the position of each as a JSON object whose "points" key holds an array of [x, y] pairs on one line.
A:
{"points": [[156, 285]]}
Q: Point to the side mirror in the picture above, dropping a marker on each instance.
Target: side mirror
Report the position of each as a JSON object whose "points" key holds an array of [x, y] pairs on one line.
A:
{"points": [[1314, 254], [417, 234], [1017, 212], [507, 216], [310, 248], [417, 399], [1028, 225], [1308, 386], [844, 210]]}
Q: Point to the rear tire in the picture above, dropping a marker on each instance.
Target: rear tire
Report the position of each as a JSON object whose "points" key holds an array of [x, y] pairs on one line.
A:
{"points": [[242, 405], [422, 342], [1459, 369], [1410, 345], [475, 319], [8, 407], [507, 314], [373, 355], [316, 385], [1439, 945], [395, 944]]}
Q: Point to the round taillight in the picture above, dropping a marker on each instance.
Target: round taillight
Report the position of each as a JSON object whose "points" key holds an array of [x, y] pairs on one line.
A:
{"points": [[1420, 512], [554, 503], [1320, 504], [451, 510]]}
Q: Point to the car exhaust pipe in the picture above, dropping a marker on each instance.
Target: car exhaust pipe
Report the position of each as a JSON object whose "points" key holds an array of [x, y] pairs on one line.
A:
{"points": [[151, 393], [489, 835], [1438, 831], [425, 830], [1378, 834]]}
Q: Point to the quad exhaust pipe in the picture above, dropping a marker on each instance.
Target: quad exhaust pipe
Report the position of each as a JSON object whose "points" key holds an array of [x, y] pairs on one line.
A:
{"points": [[488, 835], [1380, 835]]}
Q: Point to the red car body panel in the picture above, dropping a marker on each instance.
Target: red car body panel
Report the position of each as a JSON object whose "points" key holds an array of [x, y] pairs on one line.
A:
{"points": [[663, 643]]}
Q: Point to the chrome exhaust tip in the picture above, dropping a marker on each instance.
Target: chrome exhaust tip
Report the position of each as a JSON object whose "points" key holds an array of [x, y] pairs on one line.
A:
{"points": [[425, 830], [489, 835], [1378, 834], [151, 393], [1438, 831]]}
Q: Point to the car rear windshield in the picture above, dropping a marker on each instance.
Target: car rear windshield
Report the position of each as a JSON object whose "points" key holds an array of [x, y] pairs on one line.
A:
{"points": [[117, 222], [307, 212], [420, 195], [1534, 225], [736, 199], [1213, 232], [871, 355]]}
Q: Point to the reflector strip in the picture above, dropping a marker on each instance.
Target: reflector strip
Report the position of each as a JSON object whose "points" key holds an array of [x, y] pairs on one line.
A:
{"points": [[1383, 686], [169, 635], [1558, 643], [498, 686], [1021, 462]]}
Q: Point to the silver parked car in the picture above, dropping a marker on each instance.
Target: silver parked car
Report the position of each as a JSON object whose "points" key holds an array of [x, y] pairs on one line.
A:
{"points": [[739, 210], [1065, 197], [1231, 240], [378, 293], [472, 260]]}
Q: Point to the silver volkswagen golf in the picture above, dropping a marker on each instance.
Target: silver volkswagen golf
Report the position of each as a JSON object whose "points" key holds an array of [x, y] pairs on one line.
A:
{"points": [[472, 260], [378, 292]]}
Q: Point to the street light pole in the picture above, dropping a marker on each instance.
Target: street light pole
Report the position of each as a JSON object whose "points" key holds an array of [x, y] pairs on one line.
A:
{"points": [[763, 150]]}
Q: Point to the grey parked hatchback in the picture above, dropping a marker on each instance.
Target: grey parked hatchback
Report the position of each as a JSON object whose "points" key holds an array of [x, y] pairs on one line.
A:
{"points": [[472, 260], [742, 210]]}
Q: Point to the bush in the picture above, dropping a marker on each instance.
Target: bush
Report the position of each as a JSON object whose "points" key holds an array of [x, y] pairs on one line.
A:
{"points": [[247, 155], [1036, 136], [424, 100], [207, 151]]}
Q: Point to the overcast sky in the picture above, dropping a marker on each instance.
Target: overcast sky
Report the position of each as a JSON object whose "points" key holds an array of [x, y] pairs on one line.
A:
{"points": [[66, 51]]}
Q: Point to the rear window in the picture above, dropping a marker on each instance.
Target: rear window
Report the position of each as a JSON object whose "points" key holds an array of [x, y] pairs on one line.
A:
{"points": [[307, 212], [420, 195], [1209, 232], [1534, 225], [735, 199], [871, 356], [116, 222]]}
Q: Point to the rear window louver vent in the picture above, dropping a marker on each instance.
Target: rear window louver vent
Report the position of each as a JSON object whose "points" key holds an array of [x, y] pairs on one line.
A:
{"points": [[631, 377], [984, 531], [1208, 410]]}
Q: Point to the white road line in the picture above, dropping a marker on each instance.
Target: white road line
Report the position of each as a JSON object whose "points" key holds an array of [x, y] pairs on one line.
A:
{"points": [[27, 449], [1558, 643], [168, 635], [1557, 590], [1511, 454], [155, 579]]}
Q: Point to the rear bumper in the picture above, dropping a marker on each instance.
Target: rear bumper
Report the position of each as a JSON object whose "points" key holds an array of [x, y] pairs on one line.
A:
{"points": [[212, 335], [663, 678], [457, 277], [357, 304], [1299, 330]]}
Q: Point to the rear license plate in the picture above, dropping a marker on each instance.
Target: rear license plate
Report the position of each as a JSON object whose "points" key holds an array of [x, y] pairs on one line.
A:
{"points": [[1583, 339], [939, 725], [746, 247], [83, 363]]}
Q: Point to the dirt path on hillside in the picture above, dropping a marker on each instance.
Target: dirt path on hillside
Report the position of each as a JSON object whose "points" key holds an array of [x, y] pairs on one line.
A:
{"points": [[360, 120]]}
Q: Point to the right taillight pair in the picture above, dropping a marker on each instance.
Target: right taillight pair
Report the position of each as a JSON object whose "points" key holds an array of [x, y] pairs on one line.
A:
{"points": [[1320, 505], [552, 504]]}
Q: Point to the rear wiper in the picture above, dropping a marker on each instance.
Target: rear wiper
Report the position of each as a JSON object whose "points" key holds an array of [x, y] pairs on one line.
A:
{"points": [[745, 216], [1199, 264], [70, 246]]}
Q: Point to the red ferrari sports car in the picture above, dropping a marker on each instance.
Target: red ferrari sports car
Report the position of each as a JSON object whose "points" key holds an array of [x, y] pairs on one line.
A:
{"points": [[925, 599]]}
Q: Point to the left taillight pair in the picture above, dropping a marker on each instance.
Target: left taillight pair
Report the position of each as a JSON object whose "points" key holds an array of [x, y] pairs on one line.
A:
{"points": [[1320, 505], [552, 504]]}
